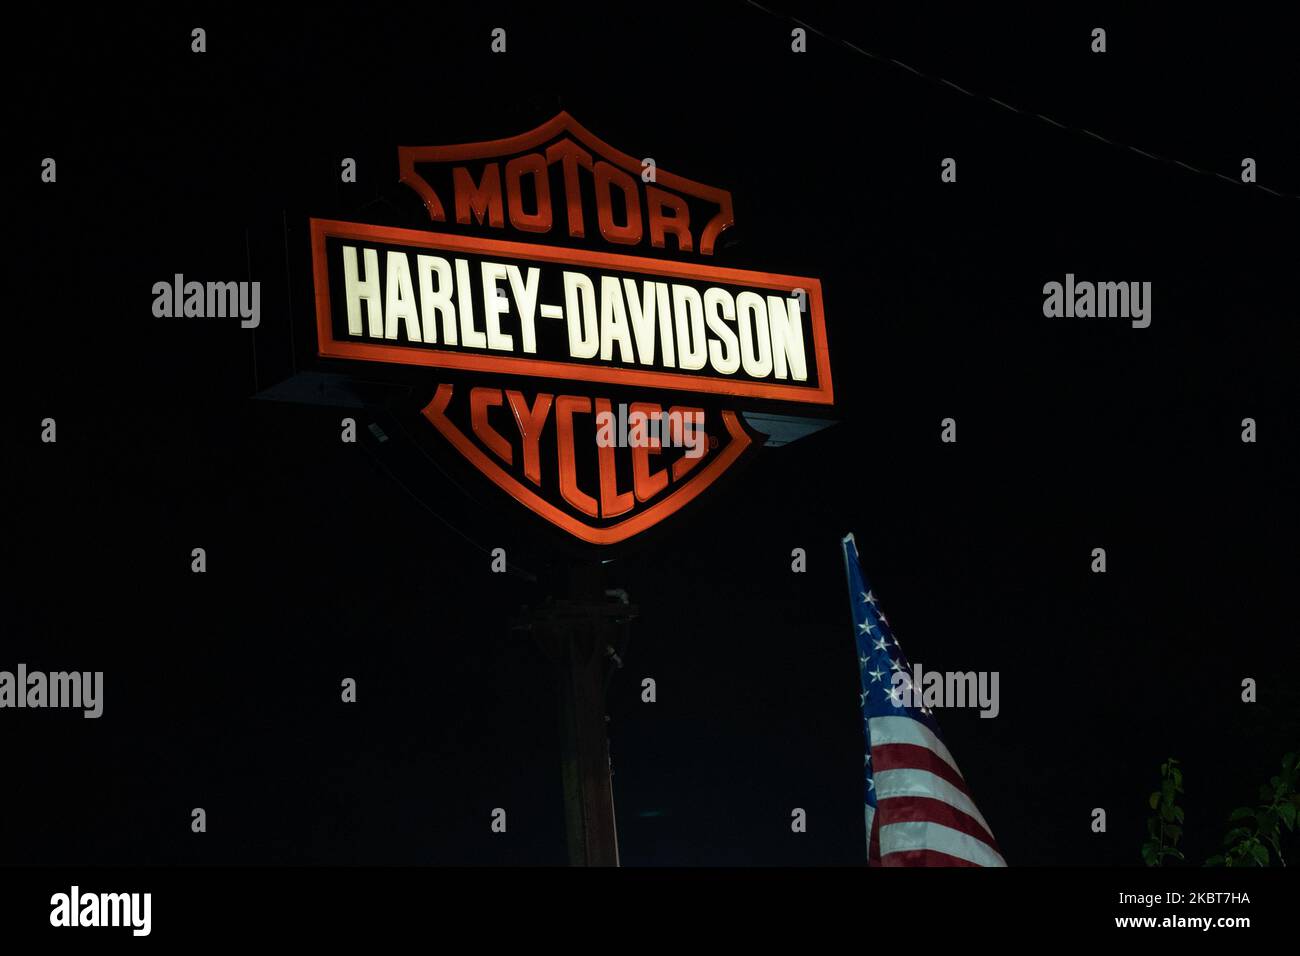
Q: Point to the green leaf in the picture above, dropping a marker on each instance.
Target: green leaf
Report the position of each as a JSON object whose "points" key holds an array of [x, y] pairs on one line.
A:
{"points": [[1154, 799], [1178, 814], [1215, 860], [1260, 853], [1287, 812], [1241, 813]]}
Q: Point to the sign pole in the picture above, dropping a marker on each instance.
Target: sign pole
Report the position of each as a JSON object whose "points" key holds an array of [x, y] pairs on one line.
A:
{"points": [[581, 635]]}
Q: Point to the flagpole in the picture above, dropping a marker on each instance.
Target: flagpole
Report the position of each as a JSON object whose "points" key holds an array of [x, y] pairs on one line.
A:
{"points": [[848, 583], [848, 574]]}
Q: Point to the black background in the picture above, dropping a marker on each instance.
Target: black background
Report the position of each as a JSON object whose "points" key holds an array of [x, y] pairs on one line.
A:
{"points": [[222, 689]]}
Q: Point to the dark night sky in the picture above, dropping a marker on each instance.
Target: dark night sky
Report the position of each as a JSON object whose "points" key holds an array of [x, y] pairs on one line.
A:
{"points": [[222, 689]]}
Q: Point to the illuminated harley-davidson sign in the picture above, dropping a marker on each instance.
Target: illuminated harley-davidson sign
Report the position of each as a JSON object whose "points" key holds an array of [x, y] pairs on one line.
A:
{"points": [[575, 319]]}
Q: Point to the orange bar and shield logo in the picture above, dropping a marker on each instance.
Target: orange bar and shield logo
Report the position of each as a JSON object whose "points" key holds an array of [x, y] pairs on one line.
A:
{"points": [[605, 384]]}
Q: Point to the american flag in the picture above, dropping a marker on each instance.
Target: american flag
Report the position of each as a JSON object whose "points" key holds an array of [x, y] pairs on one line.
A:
{"points": [[919, 811]]}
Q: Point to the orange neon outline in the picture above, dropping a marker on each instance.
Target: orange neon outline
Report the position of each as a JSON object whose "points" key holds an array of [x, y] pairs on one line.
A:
{"points": [[435, 412], [562, 122], [329, 347]]}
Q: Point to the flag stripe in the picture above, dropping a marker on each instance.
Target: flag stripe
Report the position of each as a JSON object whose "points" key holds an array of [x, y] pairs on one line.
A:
{"points": [[922, 783], [924, 858], [873, 838], [923, 835], [905, 730], [916, 757], [921, 809]]}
